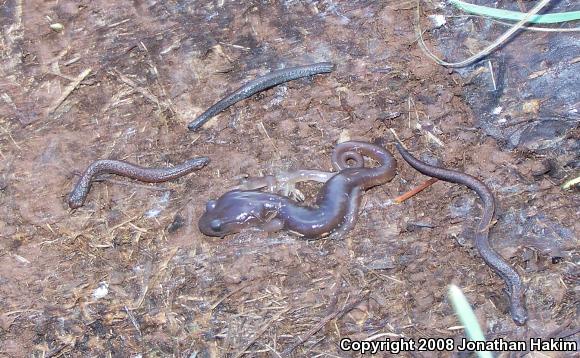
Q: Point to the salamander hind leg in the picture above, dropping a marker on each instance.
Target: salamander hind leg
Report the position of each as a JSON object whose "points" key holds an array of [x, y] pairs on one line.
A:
{"points": [[285, 183]]}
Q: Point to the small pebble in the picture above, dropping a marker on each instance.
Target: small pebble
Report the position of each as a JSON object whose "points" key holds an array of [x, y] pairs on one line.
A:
{"points": [[58, 27]]}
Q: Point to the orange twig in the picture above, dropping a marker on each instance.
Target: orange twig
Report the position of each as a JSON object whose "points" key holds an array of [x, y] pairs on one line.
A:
{"points": [[418, 189]]}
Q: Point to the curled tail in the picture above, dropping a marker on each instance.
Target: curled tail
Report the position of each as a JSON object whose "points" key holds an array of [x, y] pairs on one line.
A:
{"points": [[364, 177]]}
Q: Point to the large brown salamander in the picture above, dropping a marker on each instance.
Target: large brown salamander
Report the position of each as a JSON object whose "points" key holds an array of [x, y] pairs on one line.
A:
{"points": [[336, 207]]}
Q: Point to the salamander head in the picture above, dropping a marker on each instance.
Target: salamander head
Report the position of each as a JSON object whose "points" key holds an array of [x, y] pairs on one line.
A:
{"points": [[231, 213]]}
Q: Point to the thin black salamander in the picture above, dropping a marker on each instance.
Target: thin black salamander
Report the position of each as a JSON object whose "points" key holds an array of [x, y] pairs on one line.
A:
{"points": [[512, 279], [259, 84]]}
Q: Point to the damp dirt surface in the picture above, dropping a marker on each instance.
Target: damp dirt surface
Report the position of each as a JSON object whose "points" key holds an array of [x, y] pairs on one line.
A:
{"points": [[130, 275]]}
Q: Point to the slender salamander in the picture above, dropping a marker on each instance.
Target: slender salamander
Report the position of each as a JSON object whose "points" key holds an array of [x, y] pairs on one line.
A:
{"points": [[512, 279], [259, 84], [78, 195]]}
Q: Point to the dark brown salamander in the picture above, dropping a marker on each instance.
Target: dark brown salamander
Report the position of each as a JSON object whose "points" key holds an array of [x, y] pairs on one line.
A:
{"points": [[513, 282], [336, 208], [77, 197]]}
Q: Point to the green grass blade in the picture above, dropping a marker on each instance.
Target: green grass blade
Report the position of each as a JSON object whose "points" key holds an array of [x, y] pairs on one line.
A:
{"points": [[467, 318], [515, 15]]}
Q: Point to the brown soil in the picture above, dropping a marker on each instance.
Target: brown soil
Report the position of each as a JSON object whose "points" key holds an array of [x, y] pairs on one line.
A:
{"points": [[153, 67]]}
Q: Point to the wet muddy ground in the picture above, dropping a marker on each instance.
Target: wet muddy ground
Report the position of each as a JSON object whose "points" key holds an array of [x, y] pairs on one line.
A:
{"points": [[129, 274]]}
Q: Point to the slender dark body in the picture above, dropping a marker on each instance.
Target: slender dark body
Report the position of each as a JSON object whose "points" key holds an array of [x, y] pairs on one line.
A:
{"points": [[259, 84], [150, 175], [336, 207], [492, 259]]}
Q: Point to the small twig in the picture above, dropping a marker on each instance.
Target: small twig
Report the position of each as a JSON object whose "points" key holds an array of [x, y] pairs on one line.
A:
{"points": [[9, 133], [430, 135], [491, 74], [125, 222], [397, 138], [150, 96], [167, 103], [569, 333], [265, 132], [133, 320], [56, 351], [260, 333], [418, 189], [213, 307], [337, 314], [427, 183], [409, 111], [272, 350], [69, 89]]}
